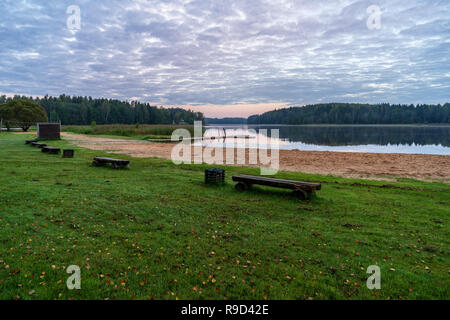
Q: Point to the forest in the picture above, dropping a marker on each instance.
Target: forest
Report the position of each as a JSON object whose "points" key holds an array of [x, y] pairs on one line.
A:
{"points": [[87, 110], [352, 113], [235, 121]]}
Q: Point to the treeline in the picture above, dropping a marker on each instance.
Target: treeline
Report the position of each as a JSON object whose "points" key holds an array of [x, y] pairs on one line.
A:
{"points": [[87, 110], [352, 113], [225, 121]]}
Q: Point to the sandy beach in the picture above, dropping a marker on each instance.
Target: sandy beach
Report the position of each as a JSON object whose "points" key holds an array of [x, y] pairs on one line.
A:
{"points": [[345, 164]]}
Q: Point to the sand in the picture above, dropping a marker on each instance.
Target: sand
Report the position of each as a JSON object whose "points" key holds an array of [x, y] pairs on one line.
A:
{"points": [[345, 164]]}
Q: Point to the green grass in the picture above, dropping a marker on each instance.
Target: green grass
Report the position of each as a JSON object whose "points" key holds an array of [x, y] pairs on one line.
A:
{"points": [[156, 231], [141, 131]]}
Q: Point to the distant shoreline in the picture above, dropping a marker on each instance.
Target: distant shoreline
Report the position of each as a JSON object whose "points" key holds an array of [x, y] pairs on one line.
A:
{"points": [[335, 125]]}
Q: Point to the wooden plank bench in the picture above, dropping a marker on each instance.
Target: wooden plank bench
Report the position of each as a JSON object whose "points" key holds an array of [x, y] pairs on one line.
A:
{"points": [[51, 150], [38, 144], [30, 141], [301, 189], [115, 163]]}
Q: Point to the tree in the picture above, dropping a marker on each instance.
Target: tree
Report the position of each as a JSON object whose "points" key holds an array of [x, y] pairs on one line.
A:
{"points": [[23, 113], [354, 113]]}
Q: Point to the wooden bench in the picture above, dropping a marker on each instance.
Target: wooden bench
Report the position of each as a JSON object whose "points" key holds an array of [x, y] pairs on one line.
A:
{"points": [[29, 141], [115, 163], [51, 150], [38, 144], [301, 189]]}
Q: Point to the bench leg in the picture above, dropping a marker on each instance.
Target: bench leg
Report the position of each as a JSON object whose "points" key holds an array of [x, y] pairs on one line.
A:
{"points": [[301, 194], [97, 164], [119, 166], [241, 186]]}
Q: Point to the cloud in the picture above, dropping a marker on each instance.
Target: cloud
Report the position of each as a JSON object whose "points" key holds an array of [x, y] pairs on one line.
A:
{"points": [[185, 52]]}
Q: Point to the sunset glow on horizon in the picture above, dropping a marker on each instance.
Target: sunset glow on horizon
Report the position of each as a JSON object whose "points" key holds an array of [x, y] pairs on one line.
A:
{"points": [[232, 111]]}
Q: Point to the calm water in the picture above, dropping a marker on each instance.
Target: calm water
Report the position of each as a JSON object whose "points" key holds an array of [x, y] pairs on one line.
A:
{"points": [[374, 139]]}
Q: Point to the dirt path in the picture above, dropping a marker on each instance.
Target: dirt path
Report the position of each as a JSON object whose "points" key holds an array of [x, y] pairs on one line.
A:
{"points": [[346, 164]]}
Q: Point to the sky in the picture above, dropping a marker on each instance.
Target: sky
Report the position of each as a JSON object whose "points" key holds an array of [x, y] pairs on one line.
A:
{"points": [[228, 58]]}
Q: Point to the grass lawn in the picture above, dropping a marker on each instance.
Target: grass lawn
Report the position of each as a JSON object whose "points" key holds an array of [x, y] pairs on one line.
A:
{"points": [[156, 231]]}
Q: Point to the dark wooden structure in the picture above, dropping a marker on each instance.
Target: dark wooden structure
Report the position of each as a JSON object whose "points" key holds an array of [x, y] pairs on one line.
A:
{"points": [[29, 141], [49, 130], [115, 163], [68, 153], [301, 189], [214, 176], [51, 150], [38, 144]]}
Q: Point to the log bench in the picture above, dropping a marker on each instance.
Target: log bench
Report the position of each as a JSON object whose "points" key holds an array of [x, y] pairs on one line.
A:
{"points": [[51, 150], [301, 189], [38, 144], [115, 163]]}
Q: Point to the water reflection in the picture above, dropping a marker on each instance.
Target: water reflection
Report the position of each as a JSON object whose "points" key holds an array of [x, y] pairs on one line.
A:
{"points": [[378, 139]]}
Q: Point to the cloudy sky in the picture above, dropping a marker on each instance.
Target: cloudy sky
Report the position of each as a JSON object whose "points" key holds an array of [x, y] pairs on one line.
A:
{"points": [[228, 58]]}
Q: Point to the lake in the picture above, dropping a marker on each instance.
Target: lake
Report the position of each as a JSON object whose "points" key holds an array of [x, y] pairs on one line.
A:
{"points": [[412, 139]]}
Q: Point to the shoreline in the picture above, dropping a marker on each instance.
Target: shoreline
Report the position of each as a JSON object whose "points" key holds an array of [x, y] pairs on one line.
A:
{"points": [[360, 165], [335, 125], [375, 166]]}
